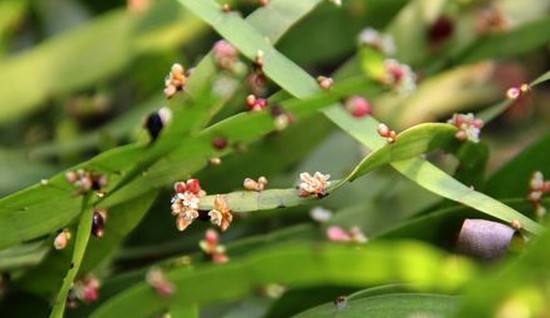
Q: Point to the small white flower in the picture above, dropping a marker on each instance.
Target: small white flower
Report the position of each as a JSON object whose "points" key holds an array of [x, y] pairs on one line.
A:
{"points": [[377, 40], [320, 214], [400, 76], [313, 185]]}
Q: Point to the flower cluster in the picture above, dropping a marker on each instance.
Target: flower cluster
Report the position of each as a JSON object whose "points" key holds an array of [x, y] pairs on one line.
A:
{"points": [[338, 234], [381, 42], [514, 93], [225, 54], [211, 246], [62, 239], [468, 126], [384, 131], [85, 181], [399, 76], [220, 214], [256, 103], [358, 106], [175, 81], [537, 188], [155, 278], [185, 204], [253, 185], [85, 289], [313, 185]]}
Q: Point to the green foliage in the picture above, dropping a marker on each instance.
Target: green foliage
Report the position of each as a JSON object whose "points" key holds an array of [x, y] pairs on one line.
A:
{"points": [[397, 206]]}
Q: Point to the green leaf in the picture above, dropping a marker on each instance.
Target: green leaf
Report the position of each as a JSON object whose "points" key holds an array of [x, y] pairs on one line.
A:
{"points": [[83, 233], [388, 306], [304, 265], [122, 219]]}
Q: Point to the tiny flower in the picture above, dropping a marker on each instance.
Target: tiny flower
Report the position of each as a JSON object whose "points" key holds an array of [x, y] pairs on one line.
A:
{"points": [[468, 126], [384, 131], [138, 6], [537, 188], [257, 82], [62, 239], [281, 117], [211, 246], [221, 215], [225, 54], [185, 204], [341, 302], [155, 278], [358, 106], [260, 58], [516, 224], [226, 7], [325, 82], [399, 76], [320, 214], [491, 19], [441, 30], [313, 185], [98, 223], [253, 185], [338, 234], [156, 121], [256, 103], [175, 81], [219, 143], [216, 161], [381, 42], [86, 289]]}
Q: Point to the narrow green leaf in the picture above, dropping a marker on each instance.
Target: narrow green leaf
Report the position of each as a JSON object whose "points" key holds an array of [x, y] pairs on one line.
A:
{"points": [[80, 243], [388, 306], [304, 265]]}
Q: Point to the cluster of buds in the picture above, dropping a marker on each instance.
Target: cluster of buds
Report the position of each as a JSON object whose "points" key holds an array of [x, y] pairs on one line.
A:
{"points": [[211, 246], [514, 93], [155, 278], [225, 54], [175, 81], [85, 289], [256, 103], [440, 31], [325, 82], [491, 19], [255, 185], [220, 214], [320, 215], [468, 126], [185, 203], [537, 188], [86, 180], [313, 185], [338, 234], [358, 106], [62, 239], [156, 121], [381, 42], [281, 117], [384, 131], [98, 222], [399, 76]]}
